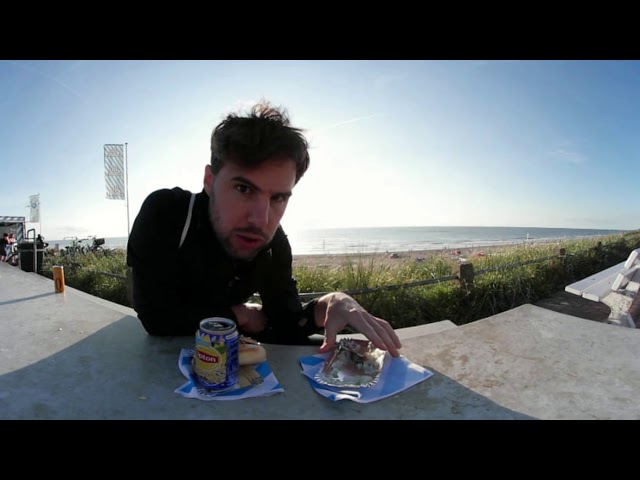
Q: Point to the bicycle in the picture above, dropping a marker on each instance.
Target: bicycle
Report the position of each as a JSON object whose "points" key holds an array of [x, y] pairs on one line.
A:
{"points": [[14, 257], [74, 248], [96, 245], [83, 246]]}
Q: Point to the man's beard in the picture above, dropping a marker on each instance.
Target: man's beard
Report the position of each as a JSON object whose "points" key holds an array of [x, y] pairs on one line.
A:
{"points": [[225, 240]]}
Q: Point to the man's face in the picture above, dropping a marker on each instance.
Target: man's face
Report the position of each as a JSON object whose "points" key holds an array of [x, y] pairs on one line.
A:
{"points": [[246, 204]]}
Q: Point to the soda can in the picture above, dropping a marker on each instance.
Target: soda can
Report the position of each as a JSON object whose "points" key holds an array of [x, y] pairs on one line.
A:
{"points": [[215, 358], [58, 278]]}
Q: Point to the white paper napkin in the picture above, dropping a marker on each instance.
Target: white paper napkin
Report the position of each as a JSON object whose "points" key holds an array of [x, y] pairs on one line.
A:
{"points": [[269, 386], [397, 375]]}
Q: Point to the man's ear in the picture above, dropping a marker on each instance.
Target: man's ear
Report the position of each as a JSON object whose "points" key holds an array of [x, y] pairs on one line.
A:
{"points": [[208, 179]]}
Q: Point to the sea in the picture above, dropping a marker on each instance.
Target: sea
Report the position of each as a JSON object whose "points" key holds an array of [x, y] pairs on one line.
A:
{"points": [[330, 241]]}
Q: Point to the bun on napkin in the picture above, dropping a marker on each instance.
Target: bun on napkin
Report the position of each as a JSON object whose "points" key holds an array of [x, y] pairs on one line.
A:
{"points": [[250, 353]]}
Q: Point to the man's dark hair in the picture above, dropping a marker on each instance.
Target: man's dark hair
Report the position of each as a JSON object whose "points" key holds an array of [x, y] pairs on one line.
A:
{"points": [[252, 139]]}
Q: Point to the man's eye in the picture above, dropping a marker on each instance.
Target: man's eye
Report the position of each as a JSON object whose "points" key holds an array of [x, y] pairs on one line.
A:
{"points": [[280, 199], [243, 188]]}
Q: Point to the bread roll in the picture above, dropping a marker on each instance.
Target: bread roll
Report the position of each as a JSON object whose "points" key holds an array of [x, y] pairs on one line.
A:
{"points": [[250, 354]]}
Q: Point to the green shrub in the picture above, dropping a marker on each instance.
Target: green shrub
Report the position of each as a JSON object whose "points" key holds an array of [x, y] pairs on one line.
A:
{"points": [[83, 271]]}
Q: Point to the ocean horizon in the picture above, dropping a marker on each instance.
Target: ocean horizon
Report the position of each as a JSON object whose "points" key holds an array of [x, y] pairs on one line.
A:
{"points": [[332, 241]]}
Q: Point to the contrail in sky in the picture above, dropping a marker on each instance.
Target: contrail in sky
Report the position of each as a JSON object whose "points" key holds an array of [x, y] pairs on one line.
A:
{"points": [[31, 68], [352, 120]]}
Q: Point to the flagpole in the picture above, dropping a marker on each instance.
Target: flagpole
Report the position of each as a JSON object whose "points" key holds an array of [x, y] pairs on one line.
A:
{"points": [[126, 170], [34, 212], [35, 239]]}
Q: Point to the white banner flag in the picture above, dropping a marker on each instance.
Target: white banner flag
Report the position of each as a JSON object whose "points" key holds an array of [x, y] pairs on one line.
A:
{"points": [[114, 171], [34, 205]]}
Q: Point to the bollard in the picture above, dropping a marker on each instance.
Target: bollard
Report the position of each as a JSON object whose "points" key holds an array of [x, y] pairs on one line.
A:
{"points": [[465, 275]]}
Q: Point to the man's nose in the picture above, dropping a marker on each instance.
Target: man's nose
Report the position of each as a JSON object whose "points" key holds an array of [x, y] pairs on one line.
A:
{"points": [[259, 213]]}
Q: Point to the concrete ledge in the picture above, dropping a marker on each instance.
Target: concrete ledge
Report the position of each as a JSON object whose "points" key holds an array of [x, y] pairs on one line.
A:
{"points": [[403, 333], [417, 331]]}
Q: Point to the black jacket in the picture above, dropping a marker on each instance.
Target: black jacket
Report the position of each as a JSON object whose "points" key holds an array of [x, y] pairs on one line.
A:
{"points": [[174, 288]]}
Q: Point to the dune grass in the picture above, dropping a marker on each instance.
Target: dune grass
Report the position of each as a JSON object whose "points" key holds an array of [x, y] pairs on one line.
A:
{"points": [[492, 292]]}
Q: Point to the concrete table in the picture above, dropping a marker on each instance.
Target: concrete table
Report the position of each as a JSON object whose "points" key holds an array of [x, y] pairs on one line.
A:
{"points": [[541, 363], [74, 356]]}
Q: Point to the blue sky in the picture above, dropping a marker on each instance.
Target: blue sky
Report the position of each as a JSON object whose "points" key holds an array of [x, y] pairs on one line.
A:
{"points": [[393, 143]]}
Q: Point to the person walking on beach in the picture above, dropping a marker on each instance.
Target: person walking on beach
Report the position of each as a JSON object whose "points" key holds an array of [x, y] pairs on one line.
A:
{"points": [[224, 244]]}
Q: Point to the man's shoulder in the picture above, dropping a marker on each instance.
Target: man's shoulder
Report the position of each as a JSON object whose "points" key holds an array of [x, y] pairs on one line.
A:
{"points": [[166, 206], [169, 194], [167, 199], [162, 213], [280, 247], [280, 238]]}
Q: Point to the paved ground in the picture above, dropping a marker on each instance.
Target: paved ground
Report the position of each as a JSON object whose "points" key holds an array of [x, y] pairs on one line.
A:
{"points": [[570, 304]]}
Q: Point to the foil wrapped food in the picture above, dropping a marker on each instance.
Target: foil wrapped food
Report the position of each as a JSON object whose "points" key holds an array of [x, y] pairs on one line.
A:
{"points": [[354, 363]]}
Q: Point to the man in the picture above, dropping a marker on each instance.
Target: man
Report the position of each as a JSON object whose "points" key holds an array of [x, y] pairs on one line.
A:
{"points": [[197, 256], [40, 243]]}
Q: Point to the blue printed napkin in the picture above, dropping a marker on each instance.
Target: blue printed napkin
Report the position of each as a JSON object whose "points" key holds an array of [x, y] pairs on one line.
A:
{"points": [[397, 375], [269, 386]]}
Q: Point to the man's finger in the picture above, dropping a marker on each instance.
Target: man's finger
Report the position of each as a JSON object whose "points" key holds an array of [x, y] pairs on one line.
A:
{"points": [[379, 333], [330, 334], [390, 331], [327, 345]]}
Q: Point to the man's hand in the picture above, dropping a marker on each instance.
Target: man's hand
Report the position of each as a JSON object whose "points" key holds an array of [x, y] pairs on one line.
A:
{"points": [[335, 311], [250, 317]]}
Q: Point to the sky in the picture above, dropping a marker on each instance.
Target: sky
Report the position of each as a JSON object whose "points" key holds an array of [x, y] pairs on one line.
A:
{"points": [[392, 143]]}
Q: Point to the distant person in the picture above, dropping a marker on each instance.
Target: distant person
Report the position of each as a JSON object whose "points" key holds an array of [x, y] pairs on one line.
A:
{"points": [[194, 256], [4, 247], [40, 243], [12, 240], [10, 246]]}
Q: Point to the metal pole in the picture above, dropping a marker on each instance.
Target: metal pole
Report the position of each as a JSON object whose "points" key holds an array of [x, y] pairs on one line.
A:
{"points": [[35, 244], [126, 169]]}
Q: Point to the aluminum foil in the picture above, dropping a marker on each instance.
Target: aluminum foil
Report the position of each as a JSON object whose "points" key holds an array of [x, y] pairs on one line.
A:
{"points": [[354, 363]]}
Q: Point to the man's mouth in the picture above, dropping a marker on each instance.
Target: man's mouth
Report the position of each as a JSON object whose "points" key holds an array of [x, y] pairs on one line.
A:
{"points": [[249, 240]]}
